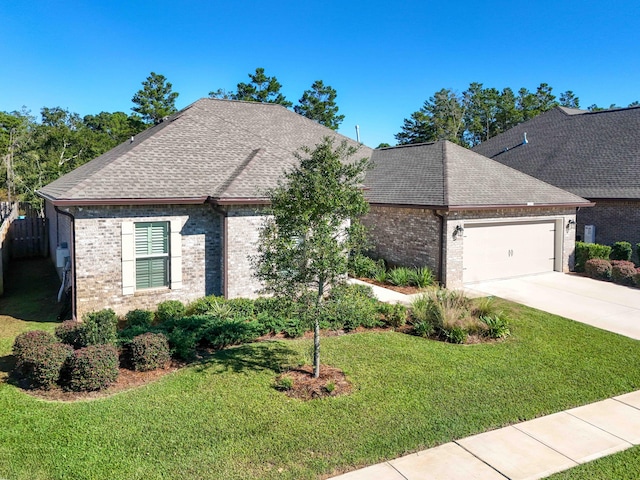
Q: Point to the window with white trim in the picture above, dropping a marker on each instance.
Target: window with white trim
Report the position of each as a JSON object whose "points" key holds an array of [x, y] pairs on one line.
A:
{"points": [[152, 255]]}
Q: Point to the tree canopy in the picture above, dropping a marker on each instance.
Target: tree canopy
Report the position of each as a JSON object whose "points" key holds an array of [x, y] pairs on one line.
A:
{"points": [[304, 244], [261, 88], [155, 100], [319, 104]]}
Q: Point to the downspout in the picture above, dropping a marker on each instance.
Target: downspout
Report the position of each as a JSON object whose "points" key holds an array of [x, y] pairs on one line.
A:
{"points": [[73, 258]]}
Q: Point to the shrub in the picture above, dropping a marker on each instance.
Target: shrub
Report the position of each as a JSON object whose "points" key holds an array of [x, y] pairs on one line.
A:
{"points": [[70, 332], [285, 383], [598, 268], [485, 307], [295, 327], [26, 347], [621, 251], [454, 334], [399, 276], [99, 328], [220, 333], [182, 343], [363, 266], [444, 313], [422, 328], [93, 368], [142, 318], [149, 351], [270, 324], [350, 306], [170, 311], [393, 315], [497, 326], [622, 272], [421, 277], [587, 251], [420, 308], [128, 334], [381, 276], [204, 305], [636, 278], [40, 358]]}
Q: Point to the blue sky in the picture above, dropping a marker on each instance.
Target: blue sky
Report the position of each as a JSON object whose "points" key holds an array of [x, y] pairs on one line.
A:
{"points": [[383, 58]]}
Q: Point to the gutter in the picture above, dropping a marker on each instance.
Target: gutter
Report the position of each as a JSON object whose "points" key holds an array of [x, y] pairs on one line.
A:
{"points": [[73, 261], [457, 208]]}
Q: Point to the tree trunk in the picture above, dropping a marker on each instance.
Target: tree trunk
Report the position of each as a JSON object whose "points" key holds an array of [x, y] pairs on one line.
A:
{"points": [[316, 332]]}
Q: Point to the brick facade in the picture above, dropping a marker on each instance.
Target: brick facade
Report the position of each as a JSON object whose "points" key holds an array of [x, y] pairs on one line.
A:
{"points": [[413, 236], [615, 221]]}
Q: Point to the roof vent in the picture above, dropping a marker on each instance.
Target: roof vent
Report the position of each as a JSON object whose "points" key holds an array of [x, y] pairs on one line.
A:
{"points": [[131, 140], [524, 140]]}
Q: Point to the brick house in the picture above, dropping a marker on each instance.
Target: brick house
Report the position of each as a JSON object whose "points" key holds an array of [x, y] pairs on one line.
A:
{"points": [[595, 155], [466, 217], [174, 212]]}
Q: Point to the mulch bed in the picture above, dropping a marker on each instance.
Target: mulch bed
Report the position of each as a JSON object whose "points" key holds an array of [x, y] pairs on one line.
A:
{"points": [[306, 387]]}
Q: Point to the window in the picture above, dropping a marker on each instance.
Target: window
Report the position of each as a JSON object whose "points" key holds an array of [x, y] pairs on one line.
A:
{"points": [[152, 254]]}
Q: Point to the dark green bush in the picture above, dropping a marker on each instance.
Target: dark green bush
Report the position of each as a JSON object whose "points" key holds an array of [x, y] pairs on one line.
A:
{"points": [[70, 332], [182, 343], [421, 277], [393, 315], [170, 311], [350, 306], [149, 351], [587, 251], [26, 347], [142, 318], [40, 357], [454, 334], [622, 272], [93, 368], [621, 251], [270, 324], [241, 307], [598, 268], [220, 333], [295, 327], [365, 267], [422, 328], [100, 328], [497, 326], [128, 333], [204, 305]]}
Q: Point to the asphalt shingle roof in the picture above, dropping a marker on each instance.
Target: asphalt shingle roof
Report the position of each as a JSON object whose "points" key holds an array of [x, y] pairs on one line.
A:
{"points": [[213, 148], [592, 154], [443, 174]]}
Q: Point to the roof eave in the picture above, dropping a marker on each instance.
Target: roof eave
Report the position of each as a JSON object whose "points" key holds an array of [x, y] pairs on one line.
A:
{"points": [[82, 202], [457, 208]]}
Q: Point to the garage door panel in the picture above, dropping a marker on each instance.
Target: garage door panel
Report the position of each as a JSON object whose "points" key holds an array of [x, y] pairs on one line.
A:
{"points": [[493, 251]]}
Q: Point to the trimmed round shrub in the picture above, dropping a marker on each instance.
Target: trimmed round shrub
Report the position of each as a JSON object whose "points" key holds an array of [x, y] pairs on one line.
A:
{"points": [[149, 351], [142, 318], [622, 272], [26, 346], [598, 268], [93, 368], [621, 251], [170, 311], [363, 266], [70, 332], [100, 328], [40, 357]]}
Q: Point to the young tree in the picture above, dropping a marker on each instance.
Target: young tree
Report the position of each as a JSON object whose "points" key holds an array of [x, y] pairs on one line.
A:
{"points": [[319, 104], [155, 100], [313, 225], [569, 99]]}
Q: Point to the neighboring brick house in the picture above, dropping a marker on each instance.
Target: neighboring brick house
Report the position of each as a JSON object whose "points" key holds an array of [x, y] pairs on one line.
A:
{"points": [[593, 154], [466, 217], [174, 212]]}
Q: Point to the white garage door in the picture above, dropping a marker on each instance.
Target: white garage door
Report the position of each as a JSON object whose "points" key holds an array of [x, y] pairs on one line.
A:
{"points": [[493, 251]]}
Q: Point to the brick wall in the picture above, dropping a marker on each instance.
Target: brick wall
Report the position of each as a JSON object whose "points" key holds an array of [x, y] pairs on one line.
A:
{"points": [[411, 236], [99, 262], [404, 236], [615, 221]]}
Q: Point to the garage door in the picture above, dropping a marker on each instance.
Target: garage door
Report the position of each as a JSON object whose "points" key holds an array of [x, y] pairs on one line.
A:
{"points": [[493, 251]]}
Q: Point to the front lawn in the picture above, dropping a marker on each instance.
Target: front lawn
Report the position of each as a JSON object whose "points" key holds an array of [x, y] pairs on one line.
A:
{"points": [[224, 419]]}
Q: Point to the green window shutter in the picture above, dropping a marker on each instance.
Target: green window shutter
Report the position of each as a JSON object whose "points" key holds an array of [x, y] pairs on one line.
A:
{"points": [[152, 248]]}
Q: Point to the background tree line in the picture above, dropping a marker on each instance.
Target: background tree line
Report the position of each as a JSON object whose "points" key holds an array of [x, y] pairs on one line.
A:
{"points": [[36, 152]]}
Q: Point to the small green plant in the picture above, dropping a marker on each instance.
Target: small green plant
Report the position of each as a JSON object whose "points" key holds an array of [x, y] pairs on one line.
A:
{"points": [[485, 307], [143, 318], [497, 326], [284, 382], [420, 308], [170, 311], [621, 251], [330, 386], [399, 276], [422, 328], [455, 334], [393, 315], [421, 277], [381, 276], [99, 328]]}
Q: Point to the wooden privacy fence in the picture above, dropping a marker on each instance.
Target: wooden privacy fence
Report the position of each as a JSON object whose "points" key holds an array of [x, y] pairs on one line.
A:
{"points": [[28, 237]]}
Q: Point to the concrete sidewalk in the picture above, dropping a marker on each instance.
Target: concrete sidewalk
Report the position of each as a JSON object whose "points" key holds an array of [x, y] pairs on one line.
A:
{"points": [[526, 451]]}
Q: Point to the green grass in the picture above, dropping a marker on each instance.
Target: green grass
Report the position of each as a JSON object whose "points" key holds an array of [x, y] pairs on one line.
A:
{"points": [[225, 419], [620, 466]]}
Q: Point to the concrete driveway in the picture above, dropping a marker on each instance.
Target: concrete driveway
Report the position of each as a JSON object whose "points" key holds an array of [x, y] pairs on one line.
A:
{"points": [[601, 304]]}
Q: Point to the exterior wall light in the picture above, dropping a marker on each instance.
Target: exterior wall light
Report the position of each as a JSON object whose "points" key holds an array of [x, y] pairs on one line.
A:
{"points": [[569, 223], [458, 231]]}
